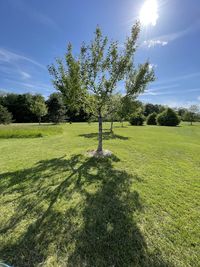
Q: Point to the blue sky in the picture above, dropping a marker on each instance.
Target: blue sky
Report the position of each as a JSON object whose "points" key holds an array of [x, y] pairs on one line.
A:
{"points": [[34, 32]]}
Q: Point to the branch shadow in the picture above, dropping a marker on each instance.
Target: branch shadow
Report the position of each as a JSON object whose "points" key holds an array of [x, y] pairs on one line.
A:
{"points": [[79, 209], [106, 136]]}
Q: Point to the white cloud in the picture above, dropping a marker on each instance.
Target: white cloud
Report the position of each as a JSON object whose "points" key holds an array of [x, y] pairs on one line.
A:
{"points": [[152, 43], [165, 39], [152, 66]]}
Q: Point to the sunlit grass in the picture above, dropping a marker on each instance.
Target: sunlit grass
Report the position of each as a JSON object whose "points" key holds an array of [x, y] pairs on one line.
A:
{"points": [[28, 131], [139, 207]]}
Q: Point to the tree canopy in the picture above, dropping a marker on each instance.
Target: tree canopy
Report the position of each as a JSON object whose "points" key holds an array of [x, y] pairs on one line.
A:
{"points": [[5, 116], [90, 79], [38, 107]]}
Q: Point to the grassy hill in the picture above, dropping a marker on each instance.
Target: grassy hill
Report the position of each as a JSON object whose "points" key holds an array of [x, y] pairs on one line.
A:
{"points": [[139, 207]]}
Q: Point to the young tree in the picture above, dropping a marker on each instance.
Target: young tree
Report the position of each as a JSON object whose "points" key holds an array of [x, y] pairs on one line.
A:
{"points": [[182, 112], [38, 107], [192, 114], [128, 107], [97, 72], [5, 116], [113, 107], [67, 80], [56, 108]]}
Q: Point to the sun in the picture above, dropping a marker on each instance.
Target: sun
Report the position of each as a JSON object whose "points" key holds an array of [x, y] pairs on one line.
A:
{"points": [[149, 13]]}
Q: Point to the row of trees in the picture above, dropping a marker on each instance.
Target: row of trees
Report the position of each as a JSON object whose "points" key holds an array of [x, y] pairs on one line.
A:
{"points": [[32, 108], [22, 108]]}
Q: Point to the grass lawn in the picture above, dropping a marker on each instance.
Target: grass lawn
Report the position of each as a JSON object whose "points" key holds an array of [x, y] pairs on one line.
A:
{"points": [[30, 131], [139, 207]]}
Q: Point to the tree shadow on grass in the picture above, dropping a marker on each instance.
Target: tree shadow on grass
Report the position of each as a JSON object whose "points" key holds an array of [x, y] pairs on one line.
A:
{"points": [[79, 211], [106, 136]]}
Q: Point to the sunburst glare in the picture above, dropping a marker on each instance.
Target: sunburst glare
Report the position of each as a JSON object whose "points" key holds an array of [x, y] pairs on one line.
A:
{"points": [[149, 13]]}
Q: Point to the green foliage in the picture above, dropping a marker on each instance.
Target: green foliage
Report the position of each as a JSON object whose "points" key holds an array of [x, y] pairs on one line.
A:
{"points": [[67, 80], [19, 105], [168, 118], [192, 114], [5, 116], [113, 106], [91, 80], [56, 108], [151, 119], [38, 107], [182, 112], [29, 131], [137, 119], [151, 108], [129, 106]]}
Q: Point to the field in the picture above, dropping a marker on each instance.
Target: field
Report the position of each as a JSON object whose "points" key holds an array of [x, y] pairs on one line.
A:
{"points": [[139, 207], [32, 131]]}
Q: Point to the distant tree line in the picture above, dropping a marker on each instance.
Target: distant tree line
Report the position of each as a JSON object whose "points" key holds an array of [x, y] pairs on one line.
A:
{"points": [[164, 116], [27, 108]]}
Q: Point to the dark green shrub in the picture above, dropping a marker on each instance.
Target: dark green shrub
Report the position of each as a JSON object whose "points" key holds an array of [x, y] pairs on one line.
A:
{"points": [[5, 116], [151, 119], [56, 108], [168, 118], [137, 119]]}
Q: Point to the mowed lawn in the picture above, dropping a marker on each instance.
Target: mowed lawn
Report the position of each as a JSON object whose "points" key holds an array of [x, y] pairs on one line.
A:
{"points": [[140, 207]]}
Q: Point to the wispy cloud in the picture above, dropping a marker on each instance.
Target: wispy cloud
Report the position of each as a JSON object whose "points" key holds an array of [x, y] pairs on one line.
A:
{"points": [[25, 75], [17, 71], [30, 86], [159, 91], [12, 58], [178, 78], [170, 102], [163, 40], [198, 98], [185, 104]]}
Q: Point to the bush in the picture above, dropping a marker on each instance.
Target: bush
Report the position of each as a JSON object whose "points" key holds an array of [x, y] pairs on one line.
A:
{"points": [[5, 116], [137, 119], [168, 118], [151, 119]]}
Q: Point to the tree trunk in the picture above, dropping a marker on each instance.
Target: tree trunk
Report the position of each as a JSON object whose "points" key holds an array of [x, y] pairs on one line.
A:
{"points": [[111, 126], [39, 120], [100, 145]]}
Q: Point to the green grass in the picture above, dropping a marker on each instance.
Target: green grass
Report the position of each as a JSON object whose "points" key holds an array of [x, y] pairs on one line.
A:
{"points": [[14, 131], [139, 207]]}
